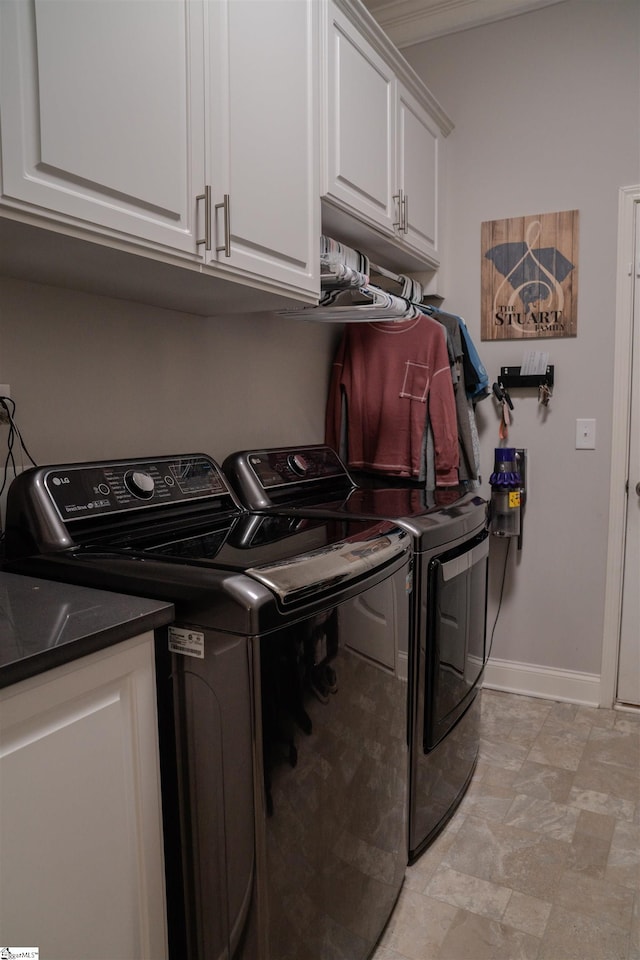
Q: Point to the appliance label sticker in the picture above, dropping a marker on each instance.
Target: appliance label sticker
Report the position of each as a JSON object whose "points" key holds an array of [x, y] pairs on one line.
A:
{"points": [[189, 643]]}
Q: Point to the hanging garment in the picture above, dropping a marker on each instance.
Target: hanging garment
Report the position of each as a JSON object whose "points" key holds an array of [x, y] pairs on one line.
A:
{"points": [[390, 375], [464, 408], [475, 376]]}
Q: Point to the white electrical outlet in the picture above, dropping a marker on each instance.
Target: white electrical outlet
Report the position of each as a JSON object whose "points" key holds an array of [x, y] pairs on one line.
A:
{"points": [[585, 434]]}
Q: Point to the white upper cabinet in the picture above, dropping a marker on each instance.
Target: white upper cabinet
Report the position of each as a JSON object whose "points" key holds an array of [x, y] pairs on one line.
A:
{"points": [[361, 161], [130, 121], [262, 139], [418, 147], [383, 133], [101, 110]]}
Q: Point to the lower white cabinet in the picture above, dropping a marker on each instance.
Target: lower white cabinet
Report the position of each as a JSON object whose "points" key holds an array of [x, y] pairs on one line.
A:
{"points": [[81, 847]]}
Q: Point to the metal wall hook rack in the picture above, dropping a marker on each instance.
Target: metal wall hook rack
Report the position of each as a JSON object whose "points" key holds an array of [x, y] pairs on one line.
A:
{"points": [[511, 377]]}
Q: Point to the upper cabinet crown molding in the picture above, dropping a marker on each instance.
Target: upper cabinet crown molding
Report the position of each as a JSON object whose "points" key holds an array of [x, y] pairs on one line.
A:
{"points": [[407, 22]]}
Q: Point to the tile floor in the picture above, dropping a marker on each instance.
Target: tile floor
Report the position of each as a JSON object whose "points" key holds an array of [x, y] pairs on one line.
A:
{"points": [[541, 861]]}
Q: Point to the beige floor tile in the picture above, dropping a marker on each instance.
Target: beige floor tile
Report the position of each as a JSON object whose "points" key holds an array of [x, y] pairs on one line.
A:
{"points": [[500, 753], [386, 953], [527, 914], [542, 858], [418, 926], [599, 825], [543, 781], [558, 748], [602, 803], [487, 801], [634, 952], [420, 873], [499, 776], [573, 936], [589, 856], [598, 717], [525, 861], [628, 722], [471, 937], [610, 778], [614, 747], [543, 816], [461, 890], [567, 719], [520, 724], [623, 865], [607, 901]]}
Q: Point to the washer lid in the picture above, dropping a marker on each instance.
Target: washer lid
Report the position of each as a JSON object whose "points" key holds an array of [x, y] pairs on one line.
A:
{"points": [[332, 566], [295, 557]]}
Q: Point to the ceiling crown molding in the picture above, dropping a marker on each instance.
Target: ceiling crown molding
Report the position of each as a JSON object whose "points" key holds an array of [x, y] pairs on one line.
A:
{"points": [[413, 21]]}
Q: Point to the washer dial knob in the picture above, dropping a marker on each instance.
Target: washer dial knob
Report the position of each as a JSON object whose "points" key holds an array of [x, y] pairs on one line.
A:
{"points": [[299, 464], [140, 484]]}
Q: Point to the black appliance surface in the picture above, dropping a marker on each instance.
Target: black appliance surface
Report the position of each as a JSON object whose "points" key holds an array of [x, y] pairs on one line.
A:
{"points": [[289, 705], [44, 625], [445, 645]]}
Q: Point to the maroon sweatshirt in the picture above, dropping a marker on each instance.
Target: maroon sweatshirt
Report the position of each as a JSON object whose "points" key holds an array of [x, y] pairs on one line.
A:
{"points": [[393, 375]]}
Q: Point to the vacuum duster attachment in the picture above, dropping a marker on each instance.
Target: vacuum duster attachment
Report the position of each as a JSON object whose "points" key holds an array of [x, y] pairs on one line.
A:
{"points": [[506, 493]]}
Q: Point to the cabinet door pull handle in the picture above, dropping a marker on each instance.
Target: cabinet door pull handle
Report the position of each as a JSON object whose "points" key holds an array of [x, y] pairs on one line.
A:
{"points": [[405, 213], [398, 223], [206, 196], [226, 246]]}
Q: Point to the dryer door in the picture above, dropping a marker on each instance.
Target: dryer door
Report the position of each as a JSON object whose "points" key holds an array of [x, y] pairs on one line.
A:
{"points": [[455, 650]]}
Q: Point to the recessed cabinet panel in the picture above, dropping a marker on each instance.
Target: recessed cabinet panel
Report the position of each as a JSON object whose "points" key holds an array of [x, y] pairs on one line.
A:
{"points": [[97, 102], [364, 158], [361, 125], [262, 139], [418, 173], [80, 809], [80, 120]]}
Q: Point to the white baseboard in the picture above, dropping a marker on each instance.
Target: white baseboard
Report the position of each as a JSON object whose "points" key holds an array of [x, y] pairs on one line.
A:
{"points": [[548, 683]]}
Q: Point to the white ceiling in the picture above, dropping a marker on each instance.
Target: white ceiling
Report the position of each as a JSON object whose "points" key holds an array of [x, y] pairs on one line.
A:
{"points": [[412, 21]]}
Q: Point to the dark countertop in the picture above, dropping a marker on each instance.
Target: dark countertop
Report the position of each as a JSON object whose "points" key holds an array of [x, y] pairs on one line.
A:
{"points": [[44, 624]]}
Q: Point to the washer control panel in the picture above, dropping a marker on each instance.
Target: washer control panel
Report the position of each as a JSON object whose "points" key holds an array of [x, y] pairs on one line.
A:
{"points": [[82, 491], [262, 478], [274, 468]]}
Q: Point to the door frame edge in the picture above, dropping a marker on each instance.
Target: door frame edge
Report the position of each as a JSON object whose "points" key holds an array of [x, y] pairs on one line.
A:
{"points": [[628, 197]]}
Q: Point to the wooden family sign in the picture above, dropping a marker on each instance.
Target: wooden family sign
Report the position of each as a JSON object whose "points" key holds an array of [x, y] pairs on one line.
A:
{"points": [[530, 277]]}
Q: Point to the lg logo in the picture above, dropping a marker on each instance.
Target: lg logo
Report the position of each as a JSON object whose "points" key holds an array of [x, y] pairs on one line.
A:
{"points": [[60, 480]]}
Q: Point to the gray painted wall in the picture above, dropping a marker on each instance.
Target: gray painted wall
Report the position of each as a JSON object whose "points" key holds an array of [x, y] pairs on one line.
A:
{"points": [[100, 378], [546, 107]]}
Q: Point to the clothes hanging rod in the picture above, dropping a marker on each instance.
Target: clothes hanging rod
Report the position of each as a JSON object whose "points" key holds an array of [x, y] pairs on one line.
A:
{"points": [[376, 268]]}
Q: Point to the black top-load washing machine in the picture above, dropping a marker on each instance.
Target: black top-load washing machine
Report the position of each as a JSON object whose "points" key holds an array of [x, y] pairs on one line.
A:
{"points": [[445, 650], [283, 676]]}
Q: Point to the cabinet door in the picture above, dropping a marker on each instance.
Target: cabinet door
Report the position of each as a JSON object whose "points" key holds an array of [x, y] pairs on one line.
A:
{"points": [[262, 136], [418, 175], [80, 813], [361, 159], [101, 107]]}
